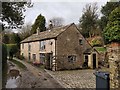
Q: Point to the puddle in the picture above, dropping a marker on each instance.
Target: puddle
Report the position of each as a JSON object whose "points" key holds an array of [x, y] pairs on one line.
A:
{"points": [[11, 83], [13, 78]]}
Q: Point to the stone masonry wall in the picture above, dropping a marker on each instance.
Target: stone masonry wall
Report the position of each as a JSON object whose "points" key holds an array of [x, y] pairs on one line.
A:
{"points": [[68, 44], [114, 65]]}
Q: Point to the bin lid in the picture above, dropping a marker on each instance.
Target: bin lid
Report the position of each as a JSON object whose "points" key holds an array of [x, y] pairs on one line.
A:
{"points": [[102, 74]]}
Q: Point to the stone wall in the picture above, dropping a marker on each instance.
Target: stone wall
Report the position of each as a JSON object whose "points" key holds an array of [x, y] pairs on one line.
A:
{"points": [[114, 65], [68, 44]]}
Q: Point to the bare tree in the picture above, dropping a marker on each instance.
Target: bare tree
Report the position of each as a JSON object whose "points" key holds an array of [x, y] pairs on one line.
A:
{"points": [[26, 31], [57, 21], [88, 21]]}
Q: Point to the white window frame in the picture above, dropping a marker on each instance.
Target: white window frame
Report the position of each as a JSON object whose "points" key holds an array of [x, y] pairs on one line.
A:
{"points": [[42, 45]]}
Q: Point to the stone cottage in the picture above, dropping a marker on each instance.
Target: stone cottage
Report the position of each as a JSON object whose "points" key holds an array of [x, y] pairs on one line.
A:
{"points": [[60, 48]]}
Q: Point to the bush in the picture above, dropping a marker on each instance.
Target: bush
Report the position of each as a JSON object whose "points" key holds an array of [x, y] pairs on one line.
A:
{"points": [[96, 42], [20, 57], [17, 55], [112, 30]]}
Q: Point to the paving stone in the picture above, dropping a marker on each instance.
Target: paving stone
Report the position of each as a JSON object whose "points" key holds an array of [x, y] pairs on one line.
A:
{"points": [[75, 78]]}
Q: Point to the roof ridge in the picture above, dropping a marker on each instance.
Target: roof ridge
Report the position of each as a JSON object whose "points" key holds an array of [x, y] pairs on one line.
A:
{"points": [[61, 27], [47, 34]]}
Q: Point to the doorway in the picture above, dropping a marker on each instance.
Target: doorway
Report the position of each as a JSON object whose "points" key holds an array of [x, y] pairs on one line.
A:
{"points": [[94, 61], [49, 61]]}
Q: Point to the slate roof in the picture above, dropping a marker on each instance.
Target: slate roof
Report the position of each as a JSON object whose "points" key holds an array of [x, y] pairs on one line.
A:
{"points": [[49, 34], [90, 50]]}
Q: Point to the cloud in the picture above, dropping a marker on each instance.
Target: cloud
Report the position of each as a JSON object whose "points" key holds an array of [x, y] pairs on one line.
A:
{"points": [[69, 11], [69, 0]]}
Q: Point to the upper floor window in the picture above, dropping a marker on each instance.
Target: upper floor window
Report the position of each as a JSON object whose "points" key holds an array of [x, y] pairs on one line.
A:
{"points": [[42, 45], [81, 42], [29, 47], [50, 42], [22, 45]]}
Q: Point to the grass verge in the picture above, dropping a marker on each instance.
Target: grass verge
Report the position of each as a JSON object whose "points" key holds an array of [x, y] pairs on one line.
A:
{"points": [[19, 64], [100, 49]]}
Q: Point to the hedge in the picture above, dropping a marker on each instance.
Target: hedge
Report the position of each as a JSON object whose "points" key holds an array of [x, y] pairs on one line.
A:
{"points": [[13, 48], [4, 65]]}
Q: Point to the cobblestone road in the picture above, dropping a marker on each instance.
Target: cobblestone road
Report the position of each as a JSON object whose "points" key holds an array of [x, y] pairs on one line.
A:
{"points": [[75, 78]]}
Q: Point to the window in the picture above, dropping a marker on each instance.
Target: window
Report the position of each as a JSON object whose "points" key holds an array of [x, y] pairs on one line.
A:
{"points": [[42, 58], [71, 58], [29, 47], [34, 57], [81, 42], [42, 45], [50, 42], [22, 45]]}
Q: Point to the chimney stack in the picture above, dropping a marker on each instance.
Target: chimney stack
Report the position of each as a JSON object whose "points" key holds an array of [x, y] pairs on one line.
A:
{"points": [[37, 31], [50, 24]]}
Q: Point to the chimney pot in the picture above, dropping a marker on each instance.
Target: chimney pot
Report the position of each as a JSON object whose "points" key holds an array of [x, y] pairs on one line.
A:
{"points": [[50, 25]]}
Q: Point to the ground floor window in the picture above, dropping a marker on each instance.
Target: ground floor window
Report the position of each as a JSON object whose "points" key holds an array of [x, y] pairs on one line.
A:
{"points": [[71, 58], [42, 58], [34, 57], [29, 56]]}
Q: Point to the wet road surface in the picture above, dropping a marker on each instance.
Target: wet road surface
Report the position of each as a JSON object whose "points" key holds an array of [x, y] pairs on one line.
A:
{"points": [[36, 78]]}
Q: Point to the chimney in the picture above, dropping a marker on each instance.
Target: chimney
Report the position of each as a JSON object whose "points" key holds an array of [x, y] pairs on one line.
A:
{"points": [[37, 31], [50, 24]]}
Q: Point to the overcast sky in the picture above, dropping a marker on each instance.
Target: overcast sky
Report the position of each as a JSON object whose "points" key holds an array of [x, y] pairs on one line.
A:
{"points": [[69, 10]]}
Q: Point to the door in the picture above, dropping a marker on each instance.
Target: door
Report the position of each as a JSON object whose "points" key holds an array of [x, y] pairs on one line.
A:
{"points": [[86, 62], [94, 61], [49, 61]]}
